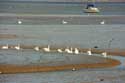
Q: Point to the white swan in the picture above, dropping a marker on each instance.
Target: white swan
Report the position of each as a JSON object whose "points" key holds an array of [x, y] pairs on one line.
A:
{"points": [[5, 47], [76, 51], [64, 22], [59, 50], [19, 22], [69, 50], [102, 22], [36, 48], [104, 54], [47, 49], [17, 47], [73, 69], [89, 52]]}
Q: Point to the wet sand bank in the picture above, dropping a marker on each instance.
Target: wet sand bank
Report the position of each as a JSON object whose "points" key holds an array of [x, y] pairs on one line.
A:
{"points": [[10, 68], [26, 69]]}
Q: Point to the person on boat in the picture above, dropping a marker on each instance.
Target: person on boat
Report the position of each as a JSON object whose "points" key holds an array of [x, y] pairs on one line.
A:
{"points": [[90, 5]]}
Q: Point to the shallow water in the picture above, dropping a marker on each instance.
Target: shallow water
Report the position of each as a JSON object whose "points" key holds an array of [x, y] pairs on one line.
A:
{"points": [[59, 8], [122, 60], [85, 36]]}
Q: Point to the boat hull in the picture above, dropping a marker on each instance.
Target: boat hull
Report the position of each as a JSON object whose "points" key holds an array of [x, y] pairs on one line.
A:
{"points": [[92, 10]]}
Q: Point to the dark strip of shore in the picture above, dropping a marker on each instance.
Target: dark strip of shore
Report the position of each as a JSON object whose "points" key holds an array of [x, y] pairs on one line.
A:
{"points": [[6, 69]]}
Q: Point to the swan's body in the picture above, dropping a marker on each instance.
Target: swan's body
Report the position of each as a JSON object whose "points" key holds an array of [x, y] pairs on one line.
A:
{"points": [[89, 52], [69, 50], [102, 22], [17, 47], [5, 47], [59, 50], [47, 49], [104, 54], [73, 69], [64, 22], [76, 51], [19, 22], [36, 48]]}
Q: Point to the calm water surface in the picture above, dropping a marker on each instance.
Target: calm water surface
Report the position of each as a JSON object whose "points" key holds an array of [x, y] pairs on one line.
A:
{"points": [[59, 8]]}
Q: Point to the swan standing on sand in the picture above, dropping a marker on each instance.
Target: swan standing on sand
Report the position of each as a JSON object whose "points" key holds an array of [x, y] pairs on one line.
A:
{"points": [[47, 49], [76, 51], [59, 50], [102, 22], [17, 47], [69, 50], [64, 22], [104, 54], [36, 48], [89, 52], [5, 47]]}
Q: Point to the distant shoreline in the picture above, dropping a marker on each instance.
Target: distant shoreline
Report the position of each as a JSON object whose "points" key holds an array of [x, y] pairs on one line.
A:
{"points": [[60, 2]]}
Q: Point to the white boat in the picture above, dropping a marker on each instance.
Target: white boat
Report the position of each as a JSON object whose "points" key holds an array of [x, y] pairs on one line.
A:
{"points": [[91, 8]]}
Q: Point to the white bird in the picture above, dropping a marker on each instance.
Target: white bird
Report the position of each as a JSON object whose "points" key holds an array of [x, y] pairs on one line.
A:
{"points": [[19, 22], [104, 54], [17, 47], [69, 50], [89, 52], [102, 22], [76, 51], [5, 47], [73, 69], [47, 49], [59, 50], [36, 48], [64, 22]]}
